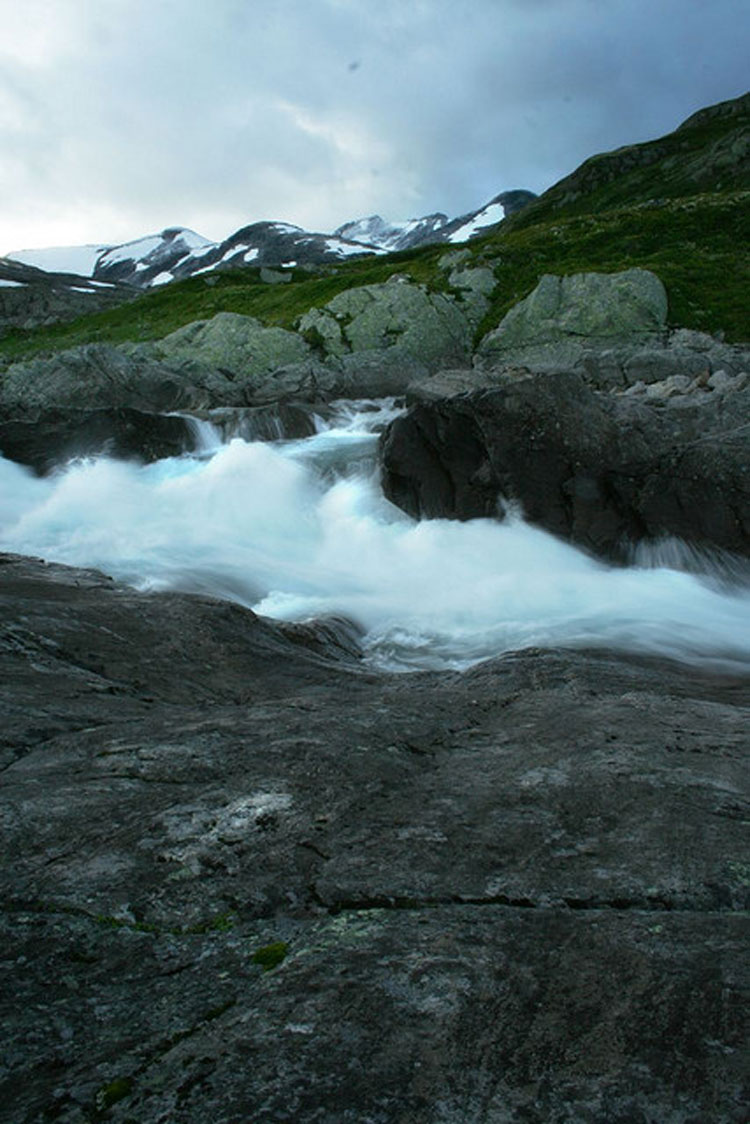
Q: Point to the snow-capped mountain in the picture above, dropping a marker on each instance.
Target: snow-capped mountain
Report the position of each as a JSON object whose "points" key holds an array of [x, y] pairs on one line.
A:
{"points": [[434, 228], [178, 252], [375, 231], [31, 295]]}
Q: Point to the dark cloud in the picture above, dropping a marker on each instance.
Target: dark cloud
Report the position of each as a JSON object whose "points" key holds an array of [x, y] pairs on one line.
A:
{"points": [[121, 116]]}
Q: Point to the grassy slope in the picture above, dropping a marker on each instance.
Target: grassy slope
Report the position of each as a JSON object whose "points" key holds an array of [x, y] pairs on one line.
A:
{"points": [[161, 311], [678, 206]]}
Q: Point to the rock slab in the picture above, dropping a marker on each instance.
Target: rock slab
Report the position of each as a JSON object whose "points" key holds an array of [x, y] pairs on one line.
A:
{"points": [[245, 878]]}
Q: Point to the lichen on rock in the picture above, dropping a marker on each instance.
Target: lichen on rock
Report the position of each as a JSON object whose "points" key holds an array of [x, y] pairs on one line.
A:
{"points": [[562, 314], [398, 313]]}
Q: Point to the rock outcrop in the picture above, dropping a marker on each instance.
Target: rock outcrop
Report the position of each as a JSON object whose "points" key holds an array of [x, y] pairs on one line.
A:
{"points": [[99, 376], [602, 470], [244, 878], [51, 437], [397, 317], [368, 341], [563, 314], [239, 347]]}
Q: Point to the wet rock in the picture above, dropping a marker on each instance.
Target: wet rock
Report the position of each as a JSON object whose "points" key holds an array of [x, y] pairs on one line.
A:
{"points": [[263, 423], [603, 471], [48, 438]]}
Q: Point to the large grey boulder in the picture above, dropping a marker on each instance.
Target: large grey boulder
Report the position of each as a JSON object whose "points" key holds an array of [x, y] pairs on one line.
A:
{"points": [[100, 375], [474, 286], [44, 439], [563, 314], [400, 315], [238, 346]]}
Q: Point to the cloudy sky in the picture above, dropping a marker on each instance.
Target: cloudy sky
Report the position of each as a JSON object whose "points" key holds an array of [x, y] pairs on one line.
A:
{"points": [[120, 117]]}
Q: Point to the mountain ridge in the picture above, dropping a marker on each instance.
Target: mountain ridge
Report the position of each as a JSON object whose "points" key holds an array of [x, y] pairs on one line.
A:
{"points": [[177, 252]]}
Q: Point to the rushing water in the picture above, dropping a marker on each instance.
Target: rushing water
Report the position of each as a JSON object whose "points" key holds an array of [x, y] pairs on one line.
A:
{"points": [[295, 529]]}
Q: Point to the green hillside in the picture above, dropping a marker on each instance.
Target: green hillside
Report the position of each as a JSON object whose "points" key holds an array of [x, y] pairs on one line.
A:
{"points": [[679, 206]]}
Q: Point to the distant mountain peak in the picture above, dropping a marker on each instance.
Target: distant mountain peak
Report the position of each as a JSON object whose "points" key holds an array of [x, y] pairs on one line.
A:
{"points": [[177, 252]]}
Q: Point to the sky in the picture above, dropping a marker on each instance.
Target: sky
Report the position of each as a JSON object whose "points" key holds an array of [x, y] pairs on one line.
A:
{"points": [[121, 117]]}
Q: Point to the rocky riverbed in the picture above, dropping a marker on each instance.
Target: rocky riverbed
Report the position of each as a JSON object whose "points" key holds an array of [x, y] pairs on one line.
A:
{"points": [[247, 876]]}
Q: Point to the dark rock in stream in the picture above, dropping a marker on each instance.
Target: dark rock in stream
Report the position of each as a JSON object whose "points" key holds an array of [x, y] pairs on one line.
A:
{"points": [[245, 878], [602, 470], [284, 420], [44, 439]]}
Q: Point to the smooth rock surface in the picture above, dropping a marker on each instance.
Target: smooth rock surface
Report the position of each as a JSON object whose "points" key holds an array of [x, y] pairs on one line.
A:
{"points": [[513, 894]]}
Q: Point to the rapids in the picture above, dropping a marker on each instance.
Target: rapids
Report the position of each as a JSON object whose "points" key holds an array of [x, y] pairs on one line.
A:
{"points": [[295, 529]]}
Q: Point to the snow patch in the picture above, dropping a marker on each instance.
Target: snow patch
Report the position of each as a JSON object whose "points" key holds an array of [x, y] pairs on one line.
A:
{"points": [[232, 252], [62, 259], [13, 284], [345, 249], [132, 251], [491, 215], [162, 279]]}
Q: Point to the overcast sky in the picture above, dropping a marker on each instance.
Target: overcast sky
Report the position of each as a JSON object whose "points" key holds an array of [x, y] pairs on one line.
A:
{"points": [[120, 117]]}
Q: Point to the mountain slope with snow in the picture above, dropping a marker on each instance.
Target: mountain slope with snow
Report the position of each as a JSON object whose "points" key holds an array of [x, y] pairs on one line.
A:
{"points": [[31, 296], [178, 252]]}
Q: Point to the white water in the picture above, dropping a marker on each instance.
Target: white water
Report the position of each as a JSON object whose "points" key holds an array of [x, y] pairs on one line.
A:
{"points": [[298, 529]]}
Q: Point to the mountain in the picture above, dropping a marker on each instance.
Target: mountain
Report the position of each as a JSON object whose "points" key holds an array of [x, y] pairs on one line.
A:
{"points": [[177, 252], [375, 231], [676, 206], [32, 296], [708, 154], [435, 228]]}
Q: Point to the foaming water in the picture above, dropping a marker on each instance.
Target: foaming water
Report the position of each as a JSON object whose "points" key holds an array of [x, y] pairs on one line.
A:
{"points": [[300, 528]]}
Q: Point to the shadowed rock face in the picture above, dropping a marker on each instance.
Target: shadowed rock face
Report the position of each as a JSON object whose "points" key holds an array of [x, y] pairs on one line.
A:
{"points": [[604, 471], [512, 894], [49, 438]]}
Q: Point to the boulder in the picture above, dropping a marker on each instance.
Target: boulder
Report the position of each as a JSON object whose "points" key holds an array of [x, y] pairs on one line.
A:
{"points": [[282, 420], [98, 375], [474, 285], [48, 438], [239, 347], [428, 327], [377, 374], [603, 471], [554, 322]]}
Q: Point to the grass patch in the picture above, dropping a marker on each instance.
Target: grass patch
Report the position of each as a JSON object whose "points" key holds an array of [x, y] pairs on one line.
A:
{"points": [[708, 155], [271, 955]]}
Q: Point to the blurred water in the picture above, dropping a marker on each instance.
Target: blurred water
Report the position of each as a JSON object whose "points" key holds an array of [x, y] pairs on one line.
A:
{"points": [[300, 528]]}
